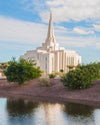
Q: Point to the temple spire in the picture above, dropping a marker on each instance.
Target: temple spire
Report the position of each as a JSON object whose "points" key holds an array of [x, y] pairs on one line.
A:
{"points": [[50, 36]]}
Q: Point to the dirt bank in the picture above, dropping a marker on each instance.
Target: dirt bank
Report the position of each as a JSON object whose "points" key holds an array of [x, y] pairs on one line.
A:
{"points": [[56, 93]]}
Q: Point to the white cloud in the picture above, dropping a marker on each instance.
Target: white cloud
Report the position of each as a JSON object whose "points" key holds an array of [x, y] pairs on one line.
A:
{"points": [[76, 41], [77, 10], [34, 5], [27, 32], [55, 3], [21, 31], [65, 10], [98, 45], [24, 32], [96, 27], [84, 31]]}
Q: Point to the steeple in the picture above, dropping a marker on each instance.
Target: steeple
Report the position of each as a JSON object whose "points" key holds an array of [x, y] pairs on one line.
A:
{"points": [[50, 36]]}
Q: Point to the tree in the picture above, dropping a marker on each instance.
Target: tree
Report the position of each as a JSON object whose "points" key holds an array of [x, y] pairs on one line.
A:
{"points": [[22, 71], [82, 77]]}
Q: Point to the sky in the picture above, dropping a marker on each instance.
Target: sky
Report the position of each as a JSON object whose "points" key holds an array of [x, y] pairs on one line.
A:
{"points": [[24, 25]]}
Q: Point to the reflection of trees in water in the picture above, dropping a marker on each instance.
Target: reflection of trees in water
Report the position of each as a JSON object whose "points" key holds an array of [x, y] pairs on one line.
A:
{"points": [[20, 107], [78, 110], [48, 113]]}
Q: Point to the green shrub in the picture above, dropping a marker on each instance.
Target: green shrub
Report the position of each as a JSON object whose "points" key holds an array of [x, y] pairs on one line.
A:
{"points": [[44, 82], [60, 74], [82, 77], [52, 75], [22, 71], [61, 70]]}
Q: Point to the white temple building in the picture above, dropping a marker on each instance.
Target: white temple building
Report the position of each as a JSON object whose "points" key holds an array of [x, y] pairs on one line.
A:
{"points": [[50, 57]]}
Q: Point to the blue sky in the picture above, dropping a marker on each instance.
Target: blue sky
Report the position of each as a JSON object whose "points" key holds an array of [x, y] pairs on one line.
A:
{"points": [[24, 24]]}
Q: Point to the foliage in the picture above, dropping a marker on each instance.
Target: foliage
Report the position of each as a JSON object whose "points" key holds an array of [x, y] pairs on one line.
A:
{"points": [[60, 74], [42, 73], [45, 82], [52, 75], [61, 70], [76, 110], [82, 77], [20, 107], [22, 71], [4, 65]]}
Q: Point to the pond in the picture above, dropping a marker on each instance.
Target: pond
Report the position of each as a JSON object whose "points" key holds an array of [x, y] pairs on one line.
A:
{"points": [[23, 112]]}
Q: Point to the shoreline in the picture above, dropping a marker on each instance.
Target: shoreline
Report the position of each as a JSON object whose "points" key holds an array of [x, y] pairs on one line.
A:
{"points": [[39, 99], [57, 93]]}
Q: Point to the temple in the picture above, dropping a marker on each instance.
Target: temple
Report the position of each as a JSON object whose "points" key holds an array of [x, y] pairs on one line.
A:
{"points": [[51, 57]]}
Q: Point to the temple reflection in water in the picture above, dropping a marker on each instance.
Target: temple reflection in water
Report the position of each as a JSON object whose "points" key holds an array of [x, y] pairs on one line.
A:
{"points": [[51, 114]]}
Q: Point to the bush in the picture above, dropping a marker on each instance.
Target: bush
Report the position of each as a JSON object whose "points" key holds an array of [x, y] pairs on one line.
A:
{"points": [[61, 70], [82, 77], [22, 71], [45, 82], [52, 75], [60, 74]]}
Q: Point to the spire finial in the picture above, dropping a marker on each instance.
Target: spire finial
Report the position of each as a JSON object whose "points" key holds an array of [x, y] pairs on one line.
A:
{"points": [[50, 13], [50, 35], [50, 10]]}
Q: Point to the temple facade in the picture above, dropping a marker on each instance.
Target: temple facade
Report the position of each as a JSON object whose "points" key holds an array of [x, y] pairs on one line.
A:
{"points": [[50, 57]]}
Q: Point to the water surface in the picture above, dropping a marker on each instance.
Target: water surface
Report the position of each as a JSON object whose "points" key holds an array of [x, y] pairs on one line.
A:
{"points": [[23, 112]]}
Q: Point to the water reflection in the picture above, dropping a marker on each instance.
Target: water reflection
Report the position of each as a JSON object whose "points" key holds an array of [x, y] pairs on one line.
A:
{"points": [[76, 110], [20, 107], [79, 114], [22, 112], [53, 114]]}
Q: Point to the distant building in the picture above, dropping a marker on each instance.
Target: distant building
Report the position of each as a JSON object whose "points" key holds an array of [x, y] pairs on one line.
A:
{"points": [[50, 57]]}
